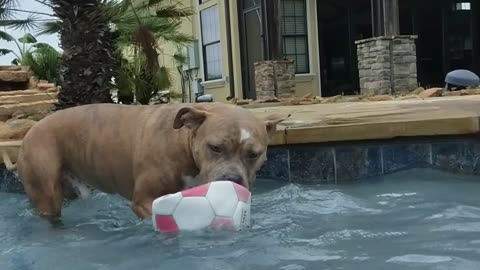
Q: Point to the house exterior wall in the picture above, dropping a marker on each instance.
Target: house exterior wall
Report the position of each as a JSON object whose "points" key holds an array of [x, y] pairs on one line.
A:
{"points": [[220, 88], [310, 83]]}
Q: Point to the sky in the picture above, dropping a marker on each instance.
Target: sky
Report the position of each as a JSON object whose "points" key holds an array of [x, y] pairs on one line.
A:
{"points": [[49, 39]]}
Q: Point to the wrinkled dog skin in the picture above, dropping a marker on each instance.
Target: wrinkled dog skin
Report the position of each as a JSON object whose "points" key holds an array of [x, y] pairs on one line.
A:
{"points": [[140, 152]]}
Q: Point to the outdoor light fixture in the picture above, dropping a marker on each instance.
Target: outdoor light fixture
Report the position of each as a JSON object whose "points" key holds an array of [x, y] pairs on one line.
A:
{"points": [[462, 6]]}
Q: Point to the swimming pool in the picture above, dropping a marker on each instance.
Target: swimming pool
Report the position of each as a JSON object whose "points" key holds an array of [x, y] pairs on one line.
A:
{"points": [[415, 219]]}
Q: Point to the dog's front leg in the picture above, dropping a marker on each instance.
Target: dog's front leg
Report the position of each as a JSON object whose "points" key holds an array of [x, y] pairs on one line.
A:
{"points": [[142, 200], [147, 188], [142, 209]]}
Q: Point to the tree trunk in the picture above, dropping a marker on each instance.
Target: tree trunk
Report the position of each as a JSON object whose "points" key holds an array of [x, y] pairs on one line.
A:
{"points": [[89, 57]]}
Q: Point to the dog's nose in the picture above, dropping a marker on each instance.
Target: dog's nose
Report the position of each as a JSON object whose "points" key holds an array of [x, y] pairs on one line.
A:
{"points": [[233, 178]]}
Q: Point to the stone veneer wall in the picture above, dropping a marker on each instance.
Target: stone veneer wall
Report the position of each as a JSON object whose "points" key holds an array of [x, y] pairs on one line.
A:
{"points": [[275, 79], [350, 162], [387, 65]]}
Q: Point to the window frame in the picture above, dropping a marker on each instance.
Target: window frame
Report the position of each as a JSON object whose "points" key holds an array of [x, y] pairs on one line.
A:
{"points": [[205, 45], [296, 35]]}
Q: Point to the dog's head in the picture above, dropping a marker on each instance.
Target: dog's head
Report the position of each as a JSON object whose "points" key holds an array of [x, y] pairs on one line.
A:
{"points": [[227, 141]]}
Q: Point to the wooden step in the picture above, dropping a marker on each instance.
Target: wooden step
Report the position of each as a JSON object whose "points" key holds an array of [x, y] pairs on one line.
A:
{"points": [[14, 67], [16, 99], [15, 76], [30, 107], [9, 153], [9, 157], [20, 92], [10, 68]]}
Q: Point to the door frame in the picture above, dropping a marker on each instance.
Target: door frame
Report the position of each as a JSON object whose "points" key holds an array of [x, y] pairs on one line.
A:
{"points": [[246, 91]]}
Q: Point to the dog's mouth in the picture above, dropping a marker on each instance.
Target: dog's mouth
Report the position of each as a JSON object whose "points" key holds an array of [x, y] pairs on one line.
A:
{"points": [[192, 183], [241, 183]]}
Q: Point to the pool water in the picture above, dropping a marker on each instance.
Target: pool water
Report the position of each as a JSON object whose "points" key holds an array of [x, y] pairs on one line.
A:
{"points": [[419, 219]]}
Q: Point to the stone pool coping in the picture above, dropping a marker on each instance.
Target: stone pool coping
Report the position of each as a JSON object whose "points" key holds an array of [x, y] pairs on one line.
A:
{"points": [[348, 142], [357, 121], [354, 121]]}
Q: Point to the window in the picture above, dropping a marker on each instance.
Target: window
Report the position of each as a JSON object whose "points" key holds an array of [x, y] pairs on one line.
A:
{"points": [[250, 3], [294, 33], [462, 6], [203, 1], [212, 51]]}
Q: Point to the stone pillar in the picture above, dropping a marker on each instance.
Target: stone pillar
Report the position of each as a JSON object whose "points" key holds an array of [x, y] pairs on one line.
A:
{"points": [[285, 78], [387, 65], [404, 65], [275, 79], [265, 80]]}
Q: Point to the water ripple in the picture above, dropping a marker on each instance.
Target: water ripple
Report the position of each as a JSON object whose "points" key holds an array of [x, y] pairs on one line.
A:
{"points": [[415, 258], [416, 220]]}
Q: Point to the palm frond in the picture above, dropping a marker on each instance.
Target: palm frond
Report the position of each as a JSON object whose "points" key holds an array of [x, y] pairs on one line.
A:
{"points": [[147, 42], [125, 83], [162, 79], [180, 58], [45, 3], [154, 2], [178, 38], [45, 62], [173, 12], [5, 51], [6, 36], [6, 8], [49, 27], [42, 46], [27, 24], [159, 27], [115, 9], [27, 39]]}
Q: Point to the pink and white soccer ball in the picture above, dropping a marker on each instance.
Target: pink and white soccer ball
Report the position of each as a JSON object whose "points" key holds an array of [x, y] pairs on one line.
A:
{"points": [[217, 205]]}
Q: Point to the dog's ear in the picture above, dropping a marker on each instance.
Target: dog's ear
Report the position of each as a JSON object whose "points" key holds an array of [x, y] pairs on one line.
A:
{"points": [[272, 121], [189, 117]]}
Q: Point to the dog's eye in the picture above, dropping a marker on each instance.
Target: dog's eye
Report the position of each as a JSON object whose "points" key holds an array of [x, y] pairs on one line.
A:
{"points": [[215, 148], [253, 155]]}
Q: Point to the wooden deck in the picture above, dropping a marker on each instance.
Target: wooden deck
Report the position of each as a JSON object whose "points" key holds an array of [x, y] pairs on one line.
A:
{"points": [[355, 121], [376, 120]]}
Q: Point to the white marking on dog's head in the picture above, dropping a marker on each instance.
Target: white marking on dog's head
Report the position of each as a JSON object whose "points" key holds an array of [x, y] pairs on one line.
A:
{"points": [[244, 135]]}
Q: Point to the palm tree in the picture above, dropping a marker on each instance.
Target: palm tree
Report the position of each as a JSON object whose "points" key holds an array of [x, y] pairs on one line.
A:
{"points": [[141, 30], [94, 34], [89, 58], [89, 63]]}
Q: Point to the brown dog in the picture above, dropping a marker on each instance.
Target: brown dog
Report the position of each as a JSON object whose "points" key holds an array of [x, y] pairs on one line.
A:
{"points": [[140, 152]]}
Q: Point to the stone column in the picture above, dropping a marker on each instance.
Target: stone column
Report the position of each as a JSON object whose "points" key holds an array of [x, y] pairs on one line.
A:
{"points": [[285, 78], [265, 80], [275, 79], [387, 65], [404, 64]]}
